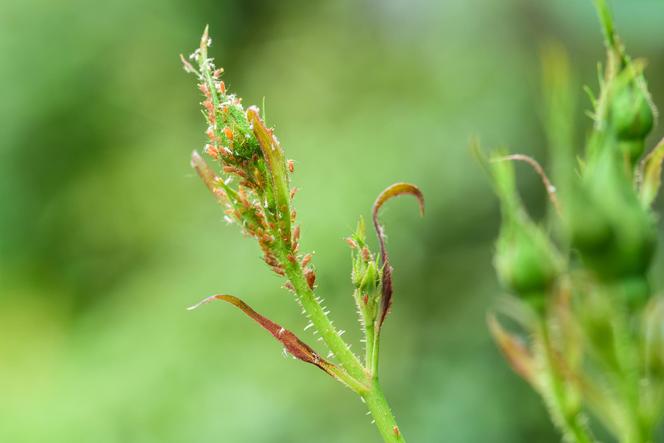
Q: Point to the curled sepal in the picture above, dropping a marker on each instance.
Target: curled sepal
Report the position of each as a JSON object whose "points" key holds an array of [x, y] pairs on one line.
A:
{"points": [[389, 193], [293, 345], [516, 353], [651, 174]]}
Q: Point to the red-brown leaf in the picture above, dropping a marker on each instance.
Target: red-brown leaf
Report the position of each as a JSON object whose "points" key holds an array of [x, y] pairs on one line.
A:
{"points": [[389, 193], [293, 345]]}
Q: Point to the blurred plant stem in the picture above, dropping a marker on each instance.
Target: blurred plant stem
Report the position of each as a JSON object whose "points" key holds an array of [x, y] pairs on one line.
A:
{"points": [[582, 292]]}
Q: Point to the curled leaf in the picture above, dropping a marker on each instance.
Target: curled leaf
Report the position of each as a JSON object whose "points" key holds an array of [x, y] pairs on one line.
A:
{"points": [[293, 345], [651, 174], [518, 356], [389, 193]]}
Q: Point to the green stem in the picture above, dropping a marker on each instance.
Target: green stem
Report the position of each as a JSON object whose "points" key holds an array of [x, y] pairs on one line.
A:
{"points": [[322, 323], [629, 380], [382, 415], [370, 340], [371, 392], [568, 420], [373, 363]]}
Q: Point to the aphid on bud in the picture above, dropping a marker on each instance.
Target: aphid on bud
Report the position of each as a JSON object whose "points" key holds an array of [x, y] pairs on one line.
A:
{"points": [[296, 234], [396, 431], [233, 170], [310, 275], [228, 133], [271, 260], [210, 133], [365, 299], [351, 243], [292, 193], [291, 166], [204, 89], [219, 193], [305, 260], [211, 151], [221, 87], [366, 255]]}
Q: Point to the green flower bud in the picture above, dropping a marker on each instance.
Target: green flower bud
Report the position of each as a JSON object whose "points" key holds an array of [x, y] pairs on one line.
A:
{"points": [[608, 226], [366, 274], [632, 116], [526, 261]]}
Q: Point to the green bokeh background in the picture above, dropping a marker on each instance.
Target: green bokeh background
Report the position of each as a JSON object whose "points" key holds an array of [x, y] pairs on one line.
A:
{"points": [[106, 235]]}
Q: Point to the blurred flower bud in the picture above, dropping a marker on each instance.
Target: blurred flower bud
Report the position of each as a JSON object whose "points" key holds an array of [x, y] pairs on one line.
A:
{"points": [[632, 116], [609, 227], [526, 261]]}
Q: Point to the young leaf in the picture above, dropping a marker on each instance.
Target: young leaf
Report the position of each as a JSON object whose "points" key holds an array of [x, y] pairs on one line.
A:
{"points": [[389, 193]]}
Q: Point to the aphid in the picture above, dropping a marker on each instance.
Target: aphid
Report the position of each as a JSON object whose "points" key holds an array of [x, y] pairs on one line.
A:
{"points": [[305, 260], [211, 151], [310, 275], [207, 104], [291, 166]]}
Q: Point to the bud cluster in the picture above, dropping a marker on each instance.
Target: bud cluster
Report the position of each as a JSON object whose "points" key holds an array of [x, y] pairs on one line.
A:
{"points": [[366, 276]]}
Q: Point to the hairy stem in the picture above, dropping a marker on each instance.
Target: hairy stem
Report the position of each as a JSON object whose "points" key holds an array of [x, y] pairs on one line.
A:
{"points": [[363, 382], [382, 414], [322, 323]]}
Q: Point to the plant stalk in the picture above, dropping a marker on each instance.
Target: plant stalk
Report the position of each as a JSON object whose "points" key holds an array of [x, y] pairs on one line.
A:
{"points": [[569, 421], [382, 414], [322, 323]]}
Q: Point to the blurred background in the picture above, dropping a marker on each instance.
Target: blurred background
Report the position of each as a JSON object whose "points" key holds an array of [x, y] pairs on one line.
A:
{"points": [[106, 235]]}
